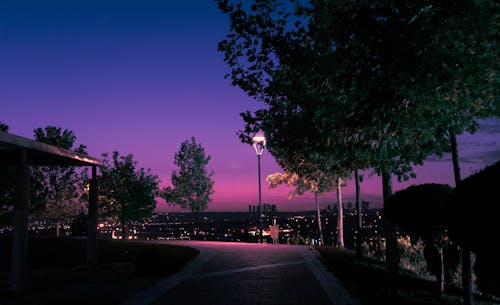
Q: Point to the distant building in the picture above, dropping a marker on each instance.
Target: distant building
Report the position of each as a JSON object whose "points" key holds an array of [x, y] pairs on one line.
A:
{"points": [[365, 205], [269, 209]]}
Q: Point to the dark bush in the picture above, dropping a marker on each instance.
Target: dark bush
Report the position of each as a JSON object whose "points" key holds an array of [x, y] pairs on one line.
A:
{"points": [[472, 211], [78, 226], [487, 269], [418, 208]]}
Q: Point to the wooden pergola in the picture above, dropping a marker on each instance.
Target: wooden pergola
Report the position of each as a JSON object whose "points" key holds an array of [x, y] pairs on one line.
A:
{"points": [[21, 153]]}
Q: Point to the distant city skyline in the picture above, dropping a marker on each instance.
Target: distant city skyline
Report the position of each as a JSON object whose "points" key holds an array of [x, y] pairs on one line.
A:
{"points": [[141, 77]]}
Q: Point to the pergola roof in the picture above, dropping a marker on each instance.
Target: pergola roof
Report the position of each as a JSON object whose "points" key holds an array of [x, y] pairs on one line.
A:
{"points": [[39, 153]]}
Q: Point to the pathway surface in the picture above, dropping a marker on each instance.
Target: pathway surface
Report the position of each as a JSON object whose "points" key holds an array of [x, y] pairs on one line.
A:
{"points": [[254, 274]]}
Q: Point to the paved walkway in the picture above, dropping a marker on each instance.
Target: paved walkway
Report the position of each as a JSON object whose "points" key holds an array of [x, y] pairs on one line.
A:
{"points": [[254, 274]]}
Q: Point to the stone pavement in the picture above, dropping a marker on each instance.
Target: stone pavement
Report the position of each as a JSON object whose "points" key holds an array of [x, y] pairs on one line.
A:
{"points": [[254, 274]]}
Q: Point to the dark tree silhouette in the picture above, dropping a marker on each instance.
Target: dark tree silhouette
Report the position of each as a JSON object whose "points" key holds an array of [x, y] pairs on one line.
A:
{"points": [[479, 192], [126, 192], [192, 183], [56, 190], [4, 127]]}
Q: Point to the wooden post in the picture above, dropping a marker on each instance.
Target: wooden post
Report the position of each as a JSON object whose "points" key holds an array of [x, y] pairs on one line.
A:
{"points": [[92, 221], [20, 233]]}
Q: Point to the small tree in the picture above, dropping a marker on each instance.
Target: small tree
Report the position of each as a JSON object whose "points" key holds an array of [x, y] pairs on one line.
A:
{"points": [[192, 184], [127, 193], [56, 190], [317, 185]]}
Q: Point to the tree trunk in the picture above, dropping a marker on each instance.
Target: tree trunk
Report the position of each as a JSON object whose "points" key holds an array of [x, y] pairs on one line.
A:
{"points": [[340, 215], [391, 250], [441, 271], [124, 233], [196, 225], [58, 228], [321, 241], [454, 157], [359, 223], [466, 255]]}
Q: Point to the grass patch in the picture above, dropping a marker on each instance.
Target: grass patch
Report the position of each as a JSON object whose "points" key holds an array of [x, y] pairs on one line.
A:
{"points": [[366, 279], [57, 273]]}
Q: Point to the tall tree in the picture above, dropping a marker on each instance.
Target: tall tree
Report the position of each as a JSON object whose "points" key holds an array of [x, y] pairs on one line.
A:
{"points": [[311, 63], [192, 183], [127, 193], [56, 190], [355, 66], [454, 79]]}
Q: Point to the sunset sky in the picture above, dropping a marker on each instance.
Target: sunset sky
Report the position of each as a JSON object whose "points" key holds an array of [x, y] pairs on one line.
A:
{"points": [[142, 76]]}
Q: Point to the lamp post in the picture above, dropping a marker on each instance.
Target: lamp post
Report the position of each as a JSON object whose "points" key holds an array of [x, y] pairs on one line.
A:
{"points": [[259, 142]]}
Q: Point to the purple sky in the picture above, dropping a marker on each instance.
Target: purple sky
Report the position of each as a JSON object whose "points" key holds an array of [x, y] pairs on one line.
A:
{"points": [[142, 76]]}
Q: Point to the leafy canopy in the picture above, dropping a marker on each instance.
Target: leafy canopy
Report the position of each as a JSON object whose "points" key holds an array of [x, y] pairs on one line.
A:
{"points": [[357, 75], [56, 191], [192, 183], [127, 192]]}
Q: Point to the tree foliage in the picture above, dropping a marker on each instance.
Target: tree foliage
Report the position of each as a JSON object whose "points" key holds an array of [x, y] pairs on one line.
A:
{"points": [[358, 73], [126, 192], [301, 185], [56, 190], [192, 183], [4, 127]]}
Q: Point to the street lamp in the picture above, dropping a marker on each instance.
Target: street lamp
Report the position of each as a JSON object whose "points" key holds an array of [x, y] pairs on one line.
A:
{"points": [[259, 142]]}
